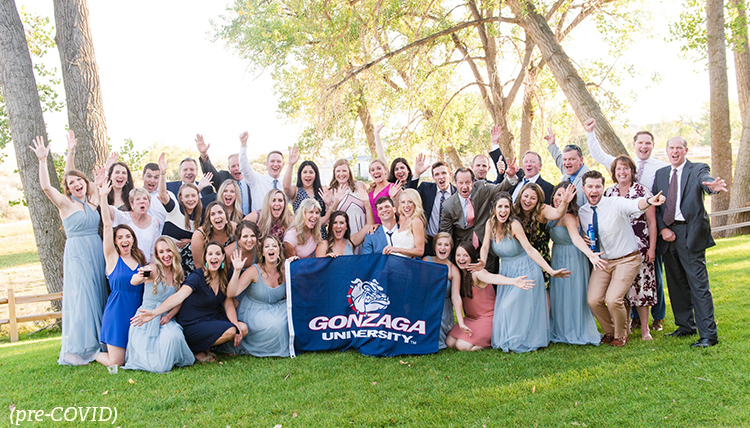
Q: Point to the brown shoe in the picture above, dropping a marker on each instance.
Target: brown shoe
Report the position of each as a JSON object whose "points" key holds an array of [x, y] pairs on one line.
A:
{"points": [[607, 338], [635, 323], [619, 341], [657, 325]]}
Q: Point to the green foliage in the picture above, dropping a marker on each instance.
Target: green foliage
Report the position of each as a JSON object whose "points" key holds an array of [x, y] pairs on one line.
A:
{"points": [[40, 38], [690, 30], [132, 157]]}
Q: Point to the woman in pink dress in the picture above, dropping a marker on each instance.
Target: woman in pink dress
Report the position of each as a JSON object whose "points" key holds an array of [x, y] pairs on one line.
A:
{"points": [[303, 235], [380, 186], [476, 296]]}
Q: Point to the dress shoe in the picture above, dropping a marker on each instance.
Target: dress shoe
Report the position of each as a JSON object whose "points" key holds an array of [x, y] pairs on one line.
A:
{"points": [[705, 343], [680, 333], [635, 323], [607, 338], [619, 341], [657, 325]]}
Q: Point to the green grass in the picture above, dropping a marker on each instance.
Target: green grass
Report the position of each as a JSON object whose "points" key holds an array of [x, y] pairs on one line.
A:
{"points": [[18, 259], [661, 383]]}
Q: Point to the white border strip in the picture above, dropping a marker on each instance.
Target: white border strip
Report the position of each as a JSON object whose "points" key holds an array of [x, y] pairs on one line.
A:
{"points": [[290, 324]]}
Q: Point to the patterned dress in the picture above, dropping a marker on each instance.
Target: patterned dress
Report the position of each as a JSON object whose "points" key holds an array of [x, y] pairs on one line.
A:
{"points": [[643, 292], [539, 239], [301, 196]]}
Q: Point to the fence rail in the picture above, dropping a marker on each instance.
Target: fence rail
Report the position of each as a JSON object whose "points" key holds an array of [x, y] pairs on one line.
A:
{"points": [[13, 319]]}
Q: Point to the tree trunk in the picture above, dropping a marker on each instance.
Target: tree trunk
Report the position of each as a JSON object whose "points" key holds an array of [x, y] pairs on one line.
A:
{"points": [[366, 119], [527, 111], [741, 194], [26, 122], [741, 49], [80, 73], [453, 157], [721, 133], [584, 105]]}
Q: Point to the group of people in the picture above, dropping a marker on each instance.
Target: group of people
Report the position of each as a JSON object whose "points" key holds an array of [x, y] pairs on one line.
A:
{"points": [[171, 272]]}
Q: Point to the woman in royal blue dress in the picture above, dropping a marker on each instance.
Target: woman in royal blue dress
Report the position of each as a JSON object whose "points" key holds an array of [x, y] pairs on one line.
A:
{"points": [[123, 258], [84, 284], [207, 316]]}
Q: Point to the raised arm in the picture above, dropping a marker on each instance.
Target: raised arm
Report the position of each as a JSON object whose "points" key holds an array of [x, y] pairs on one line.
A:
{"points": [[70, 159], [550, 213], [163, 166], [554, 150], [108, 241], [289, 189], [205, 161], [239, 281], [245, 168], [520, 235], [594, 148], [494, 278], [378, 143], [41, 151]]}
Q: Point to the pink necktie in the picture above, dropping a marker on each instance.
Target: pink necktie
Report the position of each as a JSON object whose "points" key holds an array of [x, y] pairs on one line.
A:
{"points": [[470, 222]]}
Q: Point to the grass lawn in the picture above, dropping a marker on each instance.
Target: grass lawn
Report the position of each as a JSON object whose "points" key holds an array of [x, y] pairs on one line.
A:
{"points": [[660, 383]]}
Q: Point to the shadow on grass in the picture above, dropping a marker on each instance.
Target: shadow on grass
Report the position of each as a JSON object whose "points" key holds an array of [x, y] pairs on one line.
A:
{"points": [[18, 259]]}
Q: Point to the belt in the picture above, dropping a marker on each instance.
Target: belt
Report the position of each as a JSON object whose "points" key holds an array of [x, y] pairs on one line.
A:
{"points": [[679, 222], [626, 255]]}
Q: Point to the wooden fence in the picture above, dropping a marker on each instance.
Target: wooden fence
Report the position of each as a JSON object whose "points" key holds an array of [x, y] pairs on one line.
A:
{"points": [[730, 226], [13, 319]]}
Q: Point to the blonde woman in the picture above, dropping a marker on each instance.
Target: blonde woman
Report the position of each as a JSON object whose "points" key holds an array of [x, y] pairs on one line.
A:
{"points": [[303, 236], [274, 218], [409, 240], [159, 345], [229, 195], [352, 195]]}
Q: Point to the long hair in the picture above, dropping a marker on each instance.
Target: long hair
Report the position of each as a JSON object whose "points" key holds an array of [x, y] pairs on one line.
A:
{"points": [[237, 206], [347, 232], [134, 250], [178, 275], [316, 181], [299, 221], [385, 168], [266, 220], [125, 193], [222, 273], [467, 282], [418, 210], [79, 174], [208, 228], [246, 224], [279, 258], [335, 184], [530, 222], [572, 206], [197, 211], [392, 172], [499, 231]]}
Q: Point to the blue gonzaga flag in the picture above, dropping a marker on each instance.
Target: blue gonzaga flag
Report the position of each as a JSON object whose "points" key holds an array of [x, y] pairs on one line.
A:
{"points": [[380, 305]]}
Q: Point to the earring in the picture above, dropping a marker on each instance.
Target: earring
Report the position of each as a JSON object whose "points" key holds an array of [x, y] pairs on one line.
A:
{"points": [[222, 265], [206, 265]]}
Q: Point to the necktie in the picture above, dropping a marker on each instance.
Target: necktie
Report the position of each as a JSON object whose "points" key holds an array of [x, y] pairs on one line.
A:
{"points": [[275, 183], [570, 179], [671, 204], [442, 199], [596, 230], [390, 238], [470, 222], [525, 181], [639, 173], [245, 198]]}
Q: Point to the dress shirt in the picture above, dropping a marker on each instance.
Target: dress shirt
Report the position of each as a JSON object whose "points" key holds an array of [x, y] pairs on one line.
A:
{"points": [[615, 230], [464, 203], [434, 227], [517, 191], [260, 184], [386, 231], [677, 212], [650, 165]]}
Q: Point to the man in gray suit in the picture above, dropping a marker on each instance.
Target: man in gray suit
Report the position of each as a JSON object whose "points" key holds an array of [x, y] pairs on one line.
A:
{"points": [[570, 163], [684, 235]]}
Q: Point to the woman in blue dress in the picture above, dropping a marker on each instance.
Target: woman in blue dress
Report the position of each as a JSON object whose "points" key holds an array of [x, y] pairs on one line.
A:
{"points": [[207, 316], [339, 241], [84, 281], [443, 246], [570, 316], [521, 319], [262, 294], [123, 258], [159, 345]]}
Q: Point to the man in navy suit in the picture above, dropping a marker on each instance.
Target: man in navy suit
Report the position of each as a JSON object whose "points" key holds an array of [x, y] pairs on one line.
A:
{"points": [[684, 235], [188, 173], [433, 196], [381, 238]]}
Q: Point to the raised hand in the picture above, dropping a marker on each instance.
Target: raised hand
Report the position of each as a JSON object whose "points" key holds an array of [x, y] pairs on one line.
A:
{"points": [[163, 163], [361, 193], [495, 133], [111, 159], [243, 139], [395, 189], [718, 185], [237, 261], [550, 137], [475, 267], [523, 283], [560, 273], [419, 165], [201, 145], [40, 150], [326, 195], [589, 125], [570, 193], [293, 155], [379, 127], [100, 176], [205, 181], [501, 165], [512, 169], [338, 195], [659, 199], [72, 141]]}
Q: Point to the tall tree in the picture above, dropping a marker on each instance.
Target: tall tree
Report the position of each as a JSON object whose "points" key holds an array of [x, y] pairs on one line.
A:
{"points": [[741, 184], [721, 133], [26, 121], [81, 80]]}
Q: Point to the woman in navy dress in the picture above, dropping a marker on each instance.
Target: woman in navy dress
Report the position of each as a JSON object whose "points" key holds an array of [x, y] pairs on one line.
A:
{"points": [[443, 243], [207, 316], [84, 285], [308, 186], [123, 258]]}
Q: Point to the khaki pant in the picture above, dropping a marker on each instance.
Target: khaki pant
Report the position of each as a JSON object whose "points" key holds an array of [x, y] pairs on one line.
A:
{"points": [[607, 290]]}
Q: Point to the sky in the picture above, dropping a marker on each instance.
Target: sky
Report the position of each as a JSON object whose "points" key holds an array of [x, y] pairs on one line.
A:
{"points": [[163, 80]]}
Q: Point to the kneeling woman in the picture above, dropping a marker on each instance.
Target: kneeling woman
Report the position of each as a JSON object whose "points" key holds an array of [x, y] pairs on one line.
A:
{"points": [[262, 294], [208, 317], [159, 345], [475, 295], [443, 247]]}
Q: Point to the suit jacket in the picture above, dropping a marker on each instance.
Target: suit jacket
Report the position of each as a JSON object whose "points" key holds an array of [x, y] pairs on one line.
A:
{"points": [[578, 182], [375, 242], [428, 192], [221, 176], [453, 220], [495, 156], [544, 184], [691, 204], [174, 187]]}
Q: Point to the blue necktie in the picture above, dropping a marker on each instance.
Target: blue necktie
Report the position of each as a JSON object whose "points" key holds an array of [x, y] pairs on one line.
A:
{"points": [[525, 181], [275, 184], [390, 238], [596, 230], [245, 198]]}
